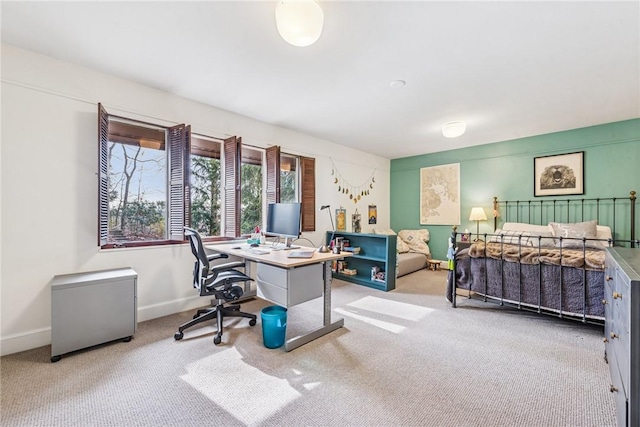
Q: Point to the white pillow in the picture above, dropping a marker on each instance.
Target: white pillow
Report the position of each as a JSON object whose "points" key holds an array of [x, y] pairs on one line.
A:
{"points": [[513, 237], [535, 230], [386, 231], [603, 232], [416, 240], [402, 246]]}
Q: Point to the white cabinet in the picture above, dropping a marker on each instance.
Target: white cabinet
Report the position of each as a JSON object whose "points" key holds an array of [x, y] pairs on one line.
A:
{"points": [[289, 286], [622, 331], [92, 308]]}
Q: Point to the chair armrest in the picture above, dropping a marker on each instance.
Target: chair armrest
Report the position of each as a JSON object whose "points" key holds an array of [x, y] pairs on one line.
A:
{"points": [[214, 256], [226, 266]]}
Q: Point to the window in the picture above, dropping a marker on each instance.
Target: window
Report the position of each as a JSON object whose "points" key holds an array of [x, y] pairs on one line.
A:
{"points": [[154, 180], [206, 190], [289, 178]]}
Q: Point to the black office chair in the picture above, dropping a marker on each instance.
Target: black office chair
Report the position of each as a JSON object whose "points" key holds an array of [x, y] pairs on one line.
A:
{"points": [[217, 280]]}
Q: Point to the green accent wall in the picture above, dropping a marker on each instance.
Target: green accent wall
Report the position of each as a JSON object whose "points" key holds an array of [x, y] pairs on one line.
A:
{"points": [[505, 169]]}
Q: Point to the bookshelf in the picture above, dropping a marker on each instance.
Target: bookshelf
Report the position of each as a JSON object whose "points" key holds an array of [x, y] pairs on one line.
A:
{"points": [[376, 250]]}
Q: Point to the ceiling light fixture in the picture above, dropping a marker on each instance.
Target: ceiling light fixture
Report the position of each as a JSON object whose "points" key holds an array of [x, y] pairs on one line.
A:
{"points": [[299, 22], [397, 84], [453, 129]]}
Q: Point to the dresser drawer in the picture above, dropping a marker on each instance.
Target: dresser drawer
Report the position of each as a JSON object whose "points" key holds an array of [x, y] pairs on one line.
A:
{"points": [[619, 394]]}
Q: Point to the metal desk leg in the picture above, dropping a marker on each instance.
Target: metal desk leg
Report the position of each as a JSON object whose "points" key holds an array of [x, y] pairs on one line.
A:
{"points": [[327, 325]]}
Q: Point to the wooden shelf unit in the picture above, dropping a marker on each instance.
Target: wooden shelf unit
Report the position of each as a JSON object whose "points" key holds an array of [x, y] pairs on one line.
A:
{"points": [[375, 250]]}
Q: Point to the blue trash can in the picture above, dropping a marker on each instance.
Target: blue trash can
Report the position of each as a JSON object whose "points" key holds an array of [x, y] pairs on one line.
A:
{"points": [[274, 326]]}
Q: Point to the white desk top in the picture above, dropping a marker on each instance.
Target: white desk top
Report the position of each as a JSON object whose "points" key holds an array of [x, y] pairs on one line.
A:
{"points": [[275, 257]]}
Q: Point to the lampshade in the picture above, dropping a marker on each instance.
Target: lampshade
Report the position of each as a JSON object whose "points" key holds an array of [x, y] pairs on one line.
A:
{"points": [[477, 214], [299, 22], [454, 129]]}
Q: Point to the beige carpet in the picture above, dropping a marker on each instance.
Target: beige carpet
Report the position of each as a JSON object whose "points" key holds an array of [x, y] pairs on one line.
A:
{"points": [[403, 358]]}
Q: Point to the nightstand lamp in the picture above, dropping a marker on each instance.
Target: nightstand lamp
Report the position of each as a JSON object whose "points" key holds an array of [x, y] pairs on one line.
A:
{"points": [[477, 215]]}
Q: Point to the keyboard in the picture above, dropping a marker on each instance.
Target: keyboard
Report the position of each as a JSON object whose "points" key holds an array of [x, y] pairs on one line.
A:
{"points": [[301, 254], [257, 251]]}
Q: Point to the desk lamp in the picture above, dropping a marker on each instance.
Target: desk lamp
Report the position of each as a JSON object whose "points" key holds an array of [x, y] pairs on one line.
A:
{"points": [[477, 215], [325, 248]]}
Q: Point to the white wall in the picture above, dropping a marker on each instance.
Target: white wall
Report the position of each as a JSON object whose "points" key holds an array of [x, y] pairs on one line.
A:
{"points": [[49, 196]]}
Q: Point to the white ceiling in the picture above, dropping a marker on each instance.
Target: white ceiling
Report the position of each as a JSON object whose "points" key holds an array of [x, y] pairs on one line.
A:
{"points": [[509, 69]]}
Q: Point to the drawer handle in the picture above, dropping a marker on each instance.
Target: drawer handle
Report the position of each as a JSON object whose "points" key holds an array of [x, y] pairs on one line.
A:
{"points": [[608, 278], [605, 339], [613, 389], [604, 301], [617, 295], [613, 335]]}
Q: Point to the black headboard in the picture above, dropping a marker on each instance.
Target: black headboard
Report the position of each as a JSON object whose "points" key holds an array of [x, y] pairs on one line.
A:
{"points": [[619, 213]]}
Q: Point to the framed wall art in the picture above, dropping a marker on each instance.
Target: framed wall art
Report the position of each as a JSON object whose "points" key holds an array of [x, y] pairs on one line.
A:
{"points": [[560, 174], [373, 214], [440, 195], [341, 219]]}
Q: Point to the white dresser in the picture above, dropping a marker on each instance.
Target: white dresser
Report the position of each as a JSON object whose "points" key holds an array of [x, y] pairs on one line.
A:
{"points": [[622, 331]]}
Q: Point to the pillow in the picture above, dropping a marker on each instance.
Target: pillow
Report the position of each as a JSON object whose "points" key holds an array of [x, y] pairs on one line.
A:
{"points": [[576, 230], [603, 232], [535, 230], [416, 240], [402, 246], [513, 237], [387, 231]]}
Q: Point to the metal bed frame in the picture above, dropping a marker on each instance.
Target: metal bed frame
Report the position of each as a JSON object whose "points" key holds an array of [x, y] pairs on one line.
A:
{"points": [[610, 210]]}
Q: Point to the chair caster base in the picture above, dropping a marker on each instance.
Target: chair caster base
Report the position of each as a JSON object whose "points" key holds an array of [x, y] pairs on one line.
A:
{"points": [[217, 340], [178, 336]]}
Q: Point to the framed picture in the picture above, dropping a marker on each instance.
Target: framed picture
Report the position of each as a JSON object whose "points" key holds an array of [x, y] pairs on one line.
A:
{"points": [[373, 214], [440, 195], [558, 175], [356, 226], [341, 219]]}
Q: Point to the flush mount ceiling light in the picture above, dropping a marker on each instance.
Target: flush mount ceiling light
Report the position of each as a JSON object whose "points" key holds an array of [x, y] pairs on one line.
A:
{"points": [[397, 84], [299, 22], [453, 129]]}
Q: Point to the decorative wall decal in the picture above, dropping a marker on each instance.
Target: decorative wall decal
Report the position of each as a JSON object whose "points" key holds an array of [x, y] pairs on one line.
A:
{"points": [[355, 192]]}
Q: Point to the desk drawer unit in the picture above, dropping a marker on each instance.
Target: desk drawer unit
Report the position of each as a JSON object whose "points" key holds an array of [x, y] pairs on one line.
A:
{"points": [[287, 287], [92, 308]]}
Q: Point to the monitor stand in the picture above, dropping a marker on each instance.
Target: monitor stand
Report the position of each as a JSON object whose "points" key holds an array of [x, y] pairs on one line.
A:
{"points": [[285, 246]]}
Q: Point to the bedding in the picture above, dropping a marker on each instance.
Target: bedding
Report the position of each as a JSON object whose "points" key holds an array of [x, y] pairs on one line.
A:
{"points": [[554, 267], [412, 249]]}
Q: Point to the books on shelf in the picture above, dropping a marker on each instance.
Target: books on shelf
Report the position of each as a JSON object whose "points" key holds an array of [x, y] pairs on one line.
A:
{"points": [[377, 275], [349, 271], [353, 249]]}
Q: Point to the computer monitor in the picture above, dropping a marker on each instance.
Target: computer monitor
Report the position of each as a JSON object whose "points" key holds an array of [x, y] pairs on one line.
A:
{"points": [[283, 220]]}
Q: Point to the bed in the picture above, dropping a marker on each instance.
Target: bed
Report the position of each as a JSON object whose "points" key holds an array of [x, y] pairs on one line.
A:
{"points": [[545, 255], [412, 249]]}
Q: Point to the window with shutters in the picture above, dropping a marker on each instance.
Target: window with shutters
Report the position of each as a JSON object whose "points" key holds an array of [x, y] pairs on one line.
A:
{"points": [[137, 170], [154, 180]]}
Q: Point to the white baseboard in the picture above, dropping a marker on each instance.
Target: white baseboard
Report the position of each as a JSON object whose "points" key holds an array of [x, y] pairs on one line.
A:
{"points": [[25, 341], [40, 337]]}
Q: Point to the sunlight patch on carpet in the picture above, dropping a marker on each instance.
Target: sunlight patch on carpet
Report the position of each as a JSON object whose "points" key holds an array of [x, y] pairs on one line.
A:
{"points": [[391, 327], [392, 308], [230, 383]]}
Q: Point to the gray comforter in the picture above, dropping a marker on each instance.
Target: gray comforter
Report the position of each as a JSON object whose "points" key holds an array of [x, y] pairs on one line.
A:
{"points": [[545, 285]]}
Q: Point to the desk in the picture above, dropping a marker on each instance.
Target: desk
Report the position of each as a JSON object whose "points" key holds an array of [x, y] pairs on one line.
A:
{"points": [[279, 281]]}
